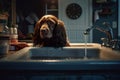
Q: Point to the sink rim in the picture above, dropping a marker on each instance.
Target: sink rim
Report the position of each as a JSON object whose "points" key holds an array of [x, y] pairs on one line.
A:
{"points": [[23, 51]]}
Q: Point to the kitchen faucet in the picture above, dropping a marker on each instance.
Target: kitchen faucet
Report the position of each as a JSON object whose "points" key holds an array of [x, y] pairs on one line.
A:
{"points": [[107, 30]]}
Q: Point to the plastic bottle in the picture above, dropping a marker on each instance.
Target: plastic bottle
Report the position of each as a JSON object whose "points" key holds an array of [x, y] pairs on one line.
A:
{"points": [[14, 34]]}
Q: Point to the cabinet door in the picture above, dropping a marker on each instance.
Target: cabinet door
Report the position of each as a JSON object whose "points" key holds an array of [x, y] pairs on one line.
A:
{"points": [[107, 11], [6, 10]]}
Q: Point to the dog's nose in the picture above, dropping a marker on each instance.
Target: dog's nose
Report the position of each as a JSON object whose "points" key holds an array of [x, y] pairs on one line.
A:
{"points": [[44, 31]]}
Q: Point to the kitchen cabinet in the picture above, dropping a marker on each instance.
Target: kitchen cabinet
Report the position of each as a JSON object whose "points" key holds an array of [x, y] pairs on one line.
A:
{"points": [[105, 11], [52, 7], [29, 13], [6, 9]]}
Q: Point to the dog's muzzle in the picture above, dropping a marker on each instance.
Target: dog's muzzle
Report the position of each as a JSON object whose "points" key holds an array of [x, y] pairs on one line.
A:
{"points": [[45, 31]]}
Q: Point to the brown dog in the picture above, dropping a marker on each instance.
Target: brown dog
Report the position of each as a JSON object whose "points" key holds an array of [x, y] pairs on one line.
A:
{"points": [[50, 32]]}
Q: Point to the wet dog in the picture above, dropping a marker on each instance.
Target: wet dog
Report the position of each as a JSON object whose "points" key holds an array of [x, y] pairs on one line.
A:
{"points": [[50, 32]]}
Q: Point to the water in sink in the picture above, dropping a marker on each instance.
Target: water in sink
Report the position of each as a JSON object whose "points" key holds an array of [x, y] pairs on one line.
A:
{"points": [[85, 56]]}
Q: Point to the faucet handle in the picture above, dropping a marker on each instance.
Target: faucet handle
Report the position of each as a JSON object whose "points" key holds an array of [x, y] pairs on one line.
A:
{"points": [[115, 44], [105, 42]]}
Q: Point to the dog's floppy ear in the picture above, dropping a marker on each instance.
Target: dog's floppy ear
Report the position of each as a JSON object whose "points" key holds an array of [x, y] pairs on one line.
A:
{"points": [[36, 36], [59, 34]]}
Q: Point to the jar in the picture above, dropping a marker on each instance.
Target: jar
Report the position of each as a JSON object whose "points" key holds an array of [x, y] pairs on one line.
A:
{"points": [[4, 44], [3, 22], [3, 25]]}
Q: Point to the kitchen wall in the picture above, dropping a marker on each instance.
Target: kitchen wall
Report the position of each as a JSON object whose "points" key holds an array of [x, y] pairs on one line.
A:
{"points": [[93, 14], [76, 27]]}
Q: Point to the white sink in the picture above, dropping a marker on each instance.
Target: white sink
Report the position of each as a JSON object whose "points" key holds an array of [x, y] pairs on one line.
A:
{"points": [[75, 51]]}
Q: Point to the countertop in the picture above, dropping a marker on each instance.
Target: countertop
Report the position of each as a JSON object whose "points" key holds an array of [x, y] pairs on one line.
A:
{"points": [[15, 67], [110, 61]]}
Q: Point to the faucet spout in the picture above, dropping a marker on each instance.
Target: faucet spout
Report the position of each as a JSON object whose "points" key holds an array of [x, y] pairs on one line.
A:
{"points": [[87, 31], [107, 30], [108, 33]]}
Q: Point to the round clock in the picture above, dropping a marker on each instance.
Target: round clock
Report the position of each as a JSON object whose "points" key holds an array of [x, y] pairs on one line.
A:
{"points": [[73, 11]]}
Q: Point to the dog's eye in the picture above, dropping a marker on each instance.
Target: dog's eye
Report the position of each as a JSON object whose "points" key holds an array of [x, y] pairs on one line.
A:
{"points": [[51, 25], [52, 28]]}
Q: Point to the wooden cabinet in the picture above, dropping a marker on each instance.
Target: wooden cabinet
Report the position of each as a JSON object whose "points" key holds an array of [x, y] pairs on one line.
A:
{"points": [[52, 7]]}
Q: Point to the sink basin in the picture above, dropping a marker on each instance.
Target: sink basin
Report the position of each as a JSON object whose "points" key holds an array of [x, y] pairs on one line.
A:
{"points": [[75, 51], [65, 59]]}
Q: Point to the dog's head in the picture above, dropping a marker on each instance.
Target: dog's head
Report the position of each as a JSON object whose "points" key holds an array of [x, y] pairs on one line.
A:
{"points": [[49, 31], [48, 24]]}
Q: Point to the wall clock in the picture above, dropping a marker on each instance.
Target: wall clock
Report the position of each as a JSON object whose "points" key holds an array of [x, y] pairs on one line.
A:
{"points": [[73, 11]]}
